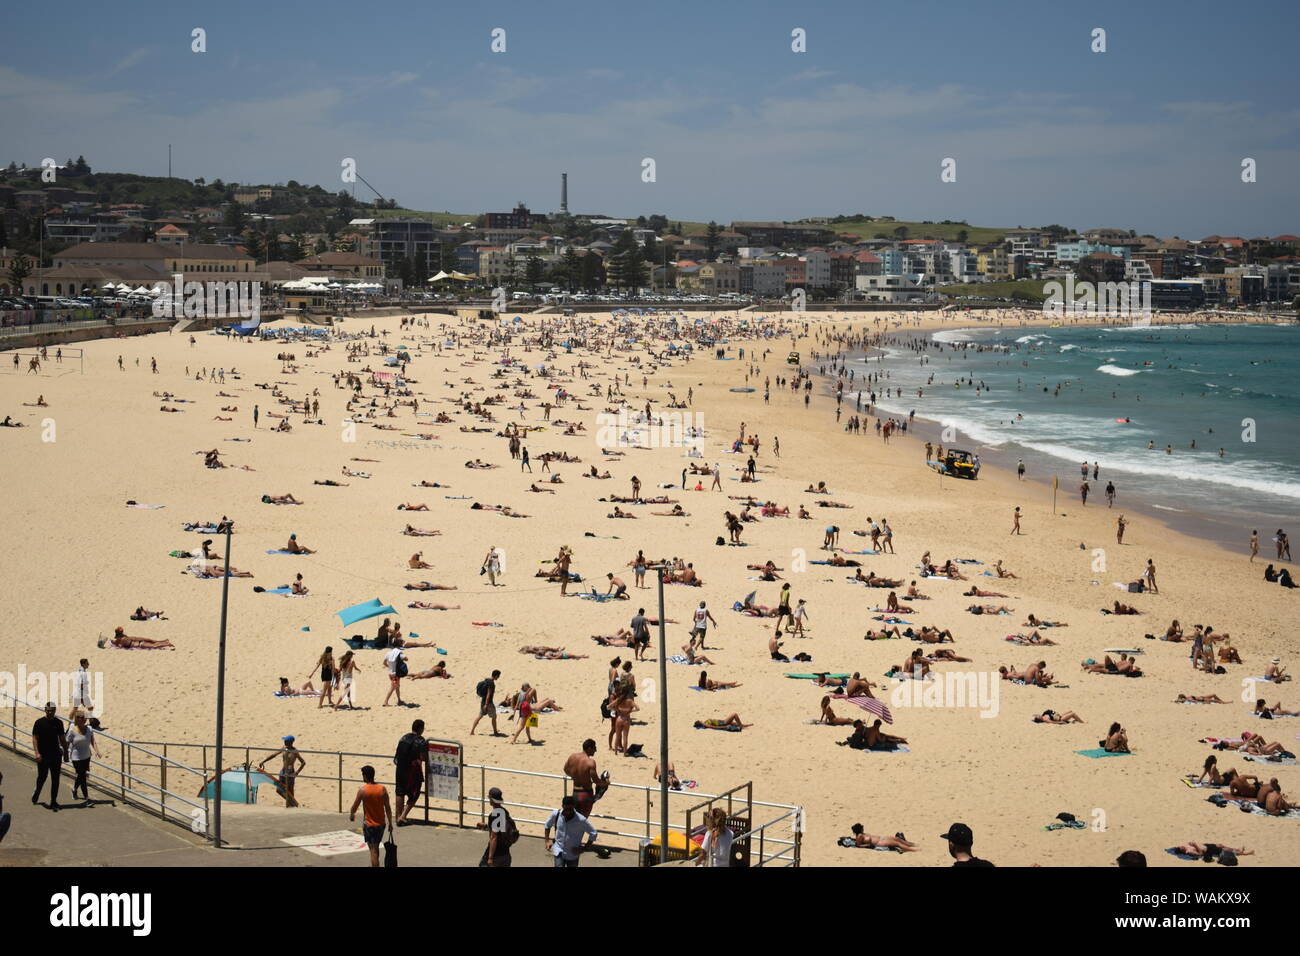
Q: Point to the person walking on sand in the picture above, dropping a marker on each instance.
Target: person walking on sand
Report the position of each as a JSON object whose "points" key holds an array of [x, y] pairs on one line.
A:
{"points": [[1020, 468], [799, 616], [378, 815], [1254, 545], [700, 625], [492, 565], [1150, 575], [397, 666], [292, 764], [1120, 525], [1015, 527], [486, 691], [1083, 492], [524, 462], [717, 483], [256, 412], [1110, 494], [328, 673]]}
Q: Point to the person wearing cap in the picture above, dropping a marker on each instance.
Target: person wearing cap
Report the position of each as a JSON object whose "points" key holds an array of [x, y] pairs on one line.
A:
{"points": [[50, 744], [292, 765], [499, 825], [569, 826], [960, 839], [1276, 672]]}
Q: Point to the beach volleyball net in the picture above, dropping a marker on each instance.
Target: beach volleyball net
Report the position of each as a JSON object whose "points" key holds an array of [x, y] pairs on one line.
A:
{"points": [[49, 362]]}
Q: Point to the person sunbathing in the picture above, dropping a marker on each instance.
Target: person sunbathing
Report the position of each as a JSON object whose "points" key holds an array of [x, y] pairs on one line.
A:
{"points": [[943, 654], [122, 639], [1229, 655], [1001, 571], [989, 609], [825, 680], [827, 715], [766, 572], [476, 463], [1036, 622], [331, 483], [306, 690], [705, 683], [770, 510], [1275, 672], [821, 489], [1277, 710], [437, 670], [215, 571], [1174, 632], [1108, 666], [803, 512], [280, 500], [549, 491], [976, 592], [823, 503], [932, 635], [882, 635], [293, 547], [1121, 609], [1210, 772], [1259, 747], [1202, 699], [1033, 640], [416, 562], [425, 606], [877, 739], [871, 841], [419, 532], [1052, 717], [623, 638], [559, 654], [676, 512], [1208, 851], [410, 507], [858, 686], [839, 561], [731, 722], [620, 513], [1037, 675], [695, 658], [1116, 741], [140, 614], [916, 667], [426, 586], [872, 580]]}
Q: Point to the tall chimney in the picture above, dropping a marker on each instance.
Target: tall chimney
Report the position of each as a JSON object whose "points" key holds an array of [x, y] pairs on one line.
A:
{"points": [[564, 194]]}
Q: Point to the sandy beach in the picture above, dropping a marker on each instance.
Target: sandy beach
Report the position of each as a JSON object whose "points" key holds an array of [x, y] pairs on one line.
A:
{"points": [[79, 561]]}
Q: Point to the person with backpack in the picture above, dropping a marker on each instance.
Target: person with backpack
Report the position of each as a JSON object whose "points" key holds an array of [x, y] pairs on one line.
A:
{"points": [[486, 692], [397, 669], [502, 832], [411, 759]]}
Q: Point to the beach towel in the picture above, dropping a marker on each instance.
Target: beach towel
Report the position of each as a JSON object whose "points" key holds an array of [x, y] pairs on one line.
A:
{"points": [[900, 749], [302, 694], [280, 551], [1072, 825], [1283, 761], [487, 623], [1259, 811], [1173, 851], [132, 504], [863, 551], [813, 676], [678, 659], [366, 609], [458, 497], [1274, 716], [283, 590], [1098, 752], [1123, 650], [734, 730]]}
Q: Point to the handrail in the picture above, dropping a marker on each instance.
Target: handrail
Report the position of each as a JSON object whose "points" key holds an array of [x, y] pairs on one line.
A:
{"points": [[611, 824], [121, 781]]}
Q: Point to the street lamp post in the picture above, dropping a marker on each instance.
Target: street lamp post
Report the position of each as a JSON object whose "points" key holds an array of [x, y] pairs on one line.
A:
{"points": [[663, 720], [221, 690]]}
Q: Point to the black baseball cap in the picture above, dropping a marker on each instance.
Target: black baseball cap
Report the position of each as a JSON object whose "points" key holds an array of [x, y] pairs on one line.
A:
{"points": [[960, 834]]}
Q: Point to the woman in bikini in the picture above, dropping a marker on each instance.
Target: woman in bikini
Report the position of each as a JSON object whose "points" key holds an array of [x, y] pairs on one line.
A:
{"points": [[347, 668], [121, 639], [1052, 717], [705, 683], [732, 722], [328, 673], [828, 716], [871, 841], [1116, 741]]}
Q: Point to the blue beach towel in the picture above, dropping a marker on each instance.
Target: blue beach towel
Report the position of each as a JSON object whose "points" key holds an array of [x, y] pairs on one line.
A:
{"points": [[1098, 752]]}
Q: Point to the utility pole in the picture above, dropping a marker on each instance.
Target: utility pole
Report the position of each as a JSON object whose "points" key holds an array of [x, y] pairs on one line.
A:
{"points": [[221, 690]]}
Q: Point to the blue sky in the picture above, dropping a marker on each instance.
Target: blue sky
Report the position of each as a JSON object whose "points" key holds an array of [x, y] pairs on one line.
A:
{"points": [[1149, 135]]}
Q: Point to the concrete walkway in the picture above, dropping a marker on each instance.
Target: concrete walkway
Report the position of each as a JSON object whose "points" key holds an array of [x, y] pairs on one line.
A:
{"points": [[109, 833]]}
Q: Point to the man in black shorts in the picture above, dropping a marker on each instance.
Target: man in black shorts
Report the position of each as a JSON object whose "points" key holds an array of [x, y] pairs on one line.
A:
{"points": [[50, 743], [411, 759], [640, 634]]}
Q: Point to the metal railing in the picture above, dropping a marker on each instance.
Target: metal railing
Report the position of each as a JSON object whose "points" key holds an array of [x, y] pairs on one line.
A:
{"points": [[625, 814], [120, 780]]}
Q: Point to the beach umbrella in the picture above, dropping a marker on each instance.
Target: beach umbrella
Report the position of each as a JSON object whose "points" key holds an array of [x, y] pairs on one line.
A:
{"points": [[364, 610], [239, 786]]}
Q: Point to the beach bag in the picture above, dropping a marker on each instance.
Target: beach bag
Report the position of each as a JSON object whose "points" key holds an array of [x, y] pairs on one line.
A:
{"points": [[604, 708], [1135, 587], [402, 669], [390, 852], [481, 688]]}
